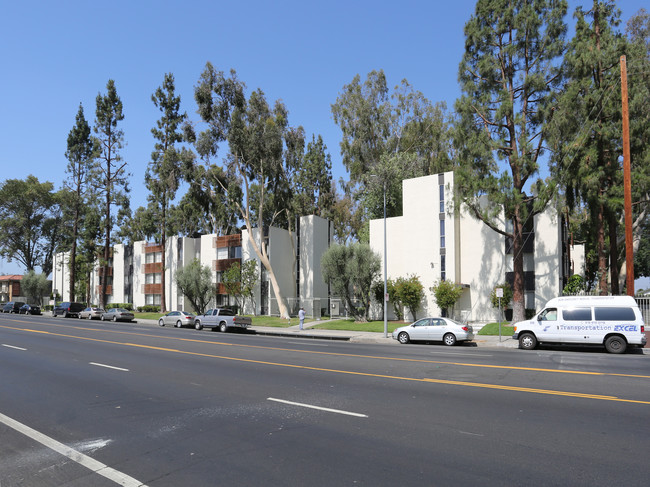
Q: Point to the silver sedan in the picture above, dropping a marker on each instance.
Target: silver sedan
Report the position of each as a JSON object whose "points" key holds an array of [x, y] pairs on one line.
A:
{"points": [[177, 318], [117, 314], [443, 330], [91, 313]]}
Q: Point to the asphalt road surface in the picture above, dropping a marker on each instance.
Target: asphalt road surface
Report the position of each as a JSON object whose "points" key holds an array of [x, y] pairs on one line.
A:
{"points": [[101, 404]]}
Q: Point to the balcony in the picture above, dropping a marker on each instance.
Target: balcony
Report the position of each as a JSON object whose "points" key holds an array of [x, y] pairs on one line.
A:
{"points": [[153, 268], [152, 289]]}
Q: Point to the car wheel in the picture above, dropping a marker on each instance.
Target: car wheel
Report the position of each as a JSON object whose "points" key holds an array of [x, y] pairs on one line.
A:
{"points": [[223, 328], [198, 325], [65, 314], [179, 324], [449, 339], [79, 316], [114, 319], [102, 318], [90, 317], [161, 322], [403, 338], [615, 344], [527, 341]]}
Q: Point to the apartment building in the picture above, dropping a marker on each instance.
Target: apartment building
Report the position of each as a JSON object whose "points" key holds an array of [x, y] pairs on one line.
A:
{"points": [[135, 271], [434, 242]]}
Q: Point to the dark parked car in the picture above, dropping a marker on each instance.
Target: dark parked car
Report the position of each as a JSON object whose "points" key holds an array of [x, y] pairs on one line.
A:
{"points": [[12, 307], [68, 309], [30, 309], [117, 314]]}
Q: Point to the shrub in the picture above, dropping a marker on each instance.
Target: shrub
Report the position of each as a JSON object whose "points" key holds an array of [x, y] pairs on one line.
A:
{"points": [[446, 294]]}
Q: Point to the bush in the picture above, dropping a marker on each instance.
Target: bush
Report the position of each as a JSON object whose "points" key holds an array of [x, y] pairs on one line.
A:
{"points": [[127, 306], [507, 296], [149, 308], [446, 294]]}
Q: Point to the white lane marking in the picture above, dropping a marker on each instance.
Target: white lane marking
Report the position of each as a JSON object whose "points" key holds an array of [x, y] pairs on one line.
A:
{"points": [[109, 366], [74, 455], [338, 411], [11, 346]]}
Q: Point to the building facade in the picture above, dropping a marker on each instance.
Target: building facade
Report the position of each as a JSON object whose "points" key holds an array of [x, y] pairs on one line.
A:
{"points": [[135, 271], [434, 242]]}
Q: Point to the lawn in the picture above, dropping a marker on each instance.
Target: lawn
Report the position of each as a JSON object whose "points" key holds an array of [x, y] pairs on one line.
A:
{"points": [[493, 329]]}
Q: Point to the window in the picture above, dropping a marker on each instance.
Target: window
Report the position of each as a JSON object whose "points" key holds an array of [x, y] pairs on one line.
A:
{"points": [[442, 234], [442, 198], [577, 314], [234, 252], [614, 314], [443, 267], [152, 299], [549, 314], [152, 257], [153, 278], [424, 322], [222, 253]]}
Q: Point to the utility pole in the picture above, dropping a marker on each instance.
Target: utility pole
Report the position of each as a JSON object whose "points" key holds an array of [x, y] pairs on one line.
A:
{"points": [[627, 185]]}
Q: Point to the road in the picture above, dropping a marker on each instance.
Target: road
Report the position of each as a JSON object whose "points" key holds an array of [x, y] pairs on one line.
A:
{"points": [[103, 404]]}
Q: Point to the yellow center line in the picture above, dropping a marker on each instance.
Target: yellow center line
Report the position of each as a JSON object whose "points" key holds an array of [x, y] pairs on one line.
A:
{"points": [[338, 354], [366, 374]]}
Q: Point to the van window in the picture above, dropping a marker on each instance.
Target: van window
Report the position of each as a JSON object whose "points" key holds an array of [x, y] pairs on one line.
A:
{"points": [[549, 314], [577, 314], [614, 314]]}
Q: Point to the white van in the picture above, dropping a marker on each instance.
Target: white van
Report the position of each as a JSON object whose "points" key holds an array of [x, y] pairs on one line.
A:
{"points": [[612, 321]]}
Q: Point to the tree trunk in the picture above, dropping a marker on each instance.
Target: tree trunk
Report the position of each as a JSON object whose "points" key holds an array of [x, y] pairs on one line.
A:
{"points": [[163, 241], [600, 247], [518, 288], [612, 224]]}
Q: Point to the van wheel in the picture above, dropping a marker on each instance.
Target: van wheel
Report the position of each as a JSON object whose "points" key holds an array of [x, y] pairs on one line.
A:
{"points": [[527, 341], [615, 344]]}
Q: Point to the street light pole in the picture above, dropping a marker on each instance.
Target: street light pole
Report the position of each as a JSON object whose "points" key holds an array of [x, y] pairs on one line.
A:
{"points": [[385, 272]]}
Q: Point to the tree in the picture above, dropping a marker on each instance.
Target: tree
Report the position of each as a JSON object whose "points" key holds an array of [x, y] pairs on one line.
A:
{"points": [[35, 286], [112, 175], [446, 294], [508, 75], [165, 170], [80, 153], [376, 125], [588, 132], [411, 293], [28, 210], [351, 271], [239, 281], [195, 282], [256, 136], [312, 181]]}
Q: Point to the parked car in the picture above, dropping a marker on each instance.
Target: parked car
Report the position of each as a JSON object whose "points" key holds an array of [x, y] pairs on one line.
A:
{"points": [[177, 318], [222, 319], [30, 309], [90, 313], [443, 330], [12, 307], [117, 314], [67, 309]]}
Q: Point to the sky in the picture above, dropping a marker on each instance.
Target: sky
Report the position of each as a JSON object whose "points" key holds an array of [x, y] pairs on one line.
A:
{"points": [[57, 55]]}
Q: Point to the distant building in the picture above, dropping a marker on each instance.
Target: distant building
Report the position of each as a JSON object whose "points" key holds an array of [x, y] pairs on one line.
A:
{"points": [[10, 288], [436, 243]]}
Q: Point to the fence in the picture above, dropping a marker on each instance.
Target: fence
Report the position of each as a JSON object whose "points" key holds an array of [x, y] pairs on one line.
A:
{"points": [[315, 308]]}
